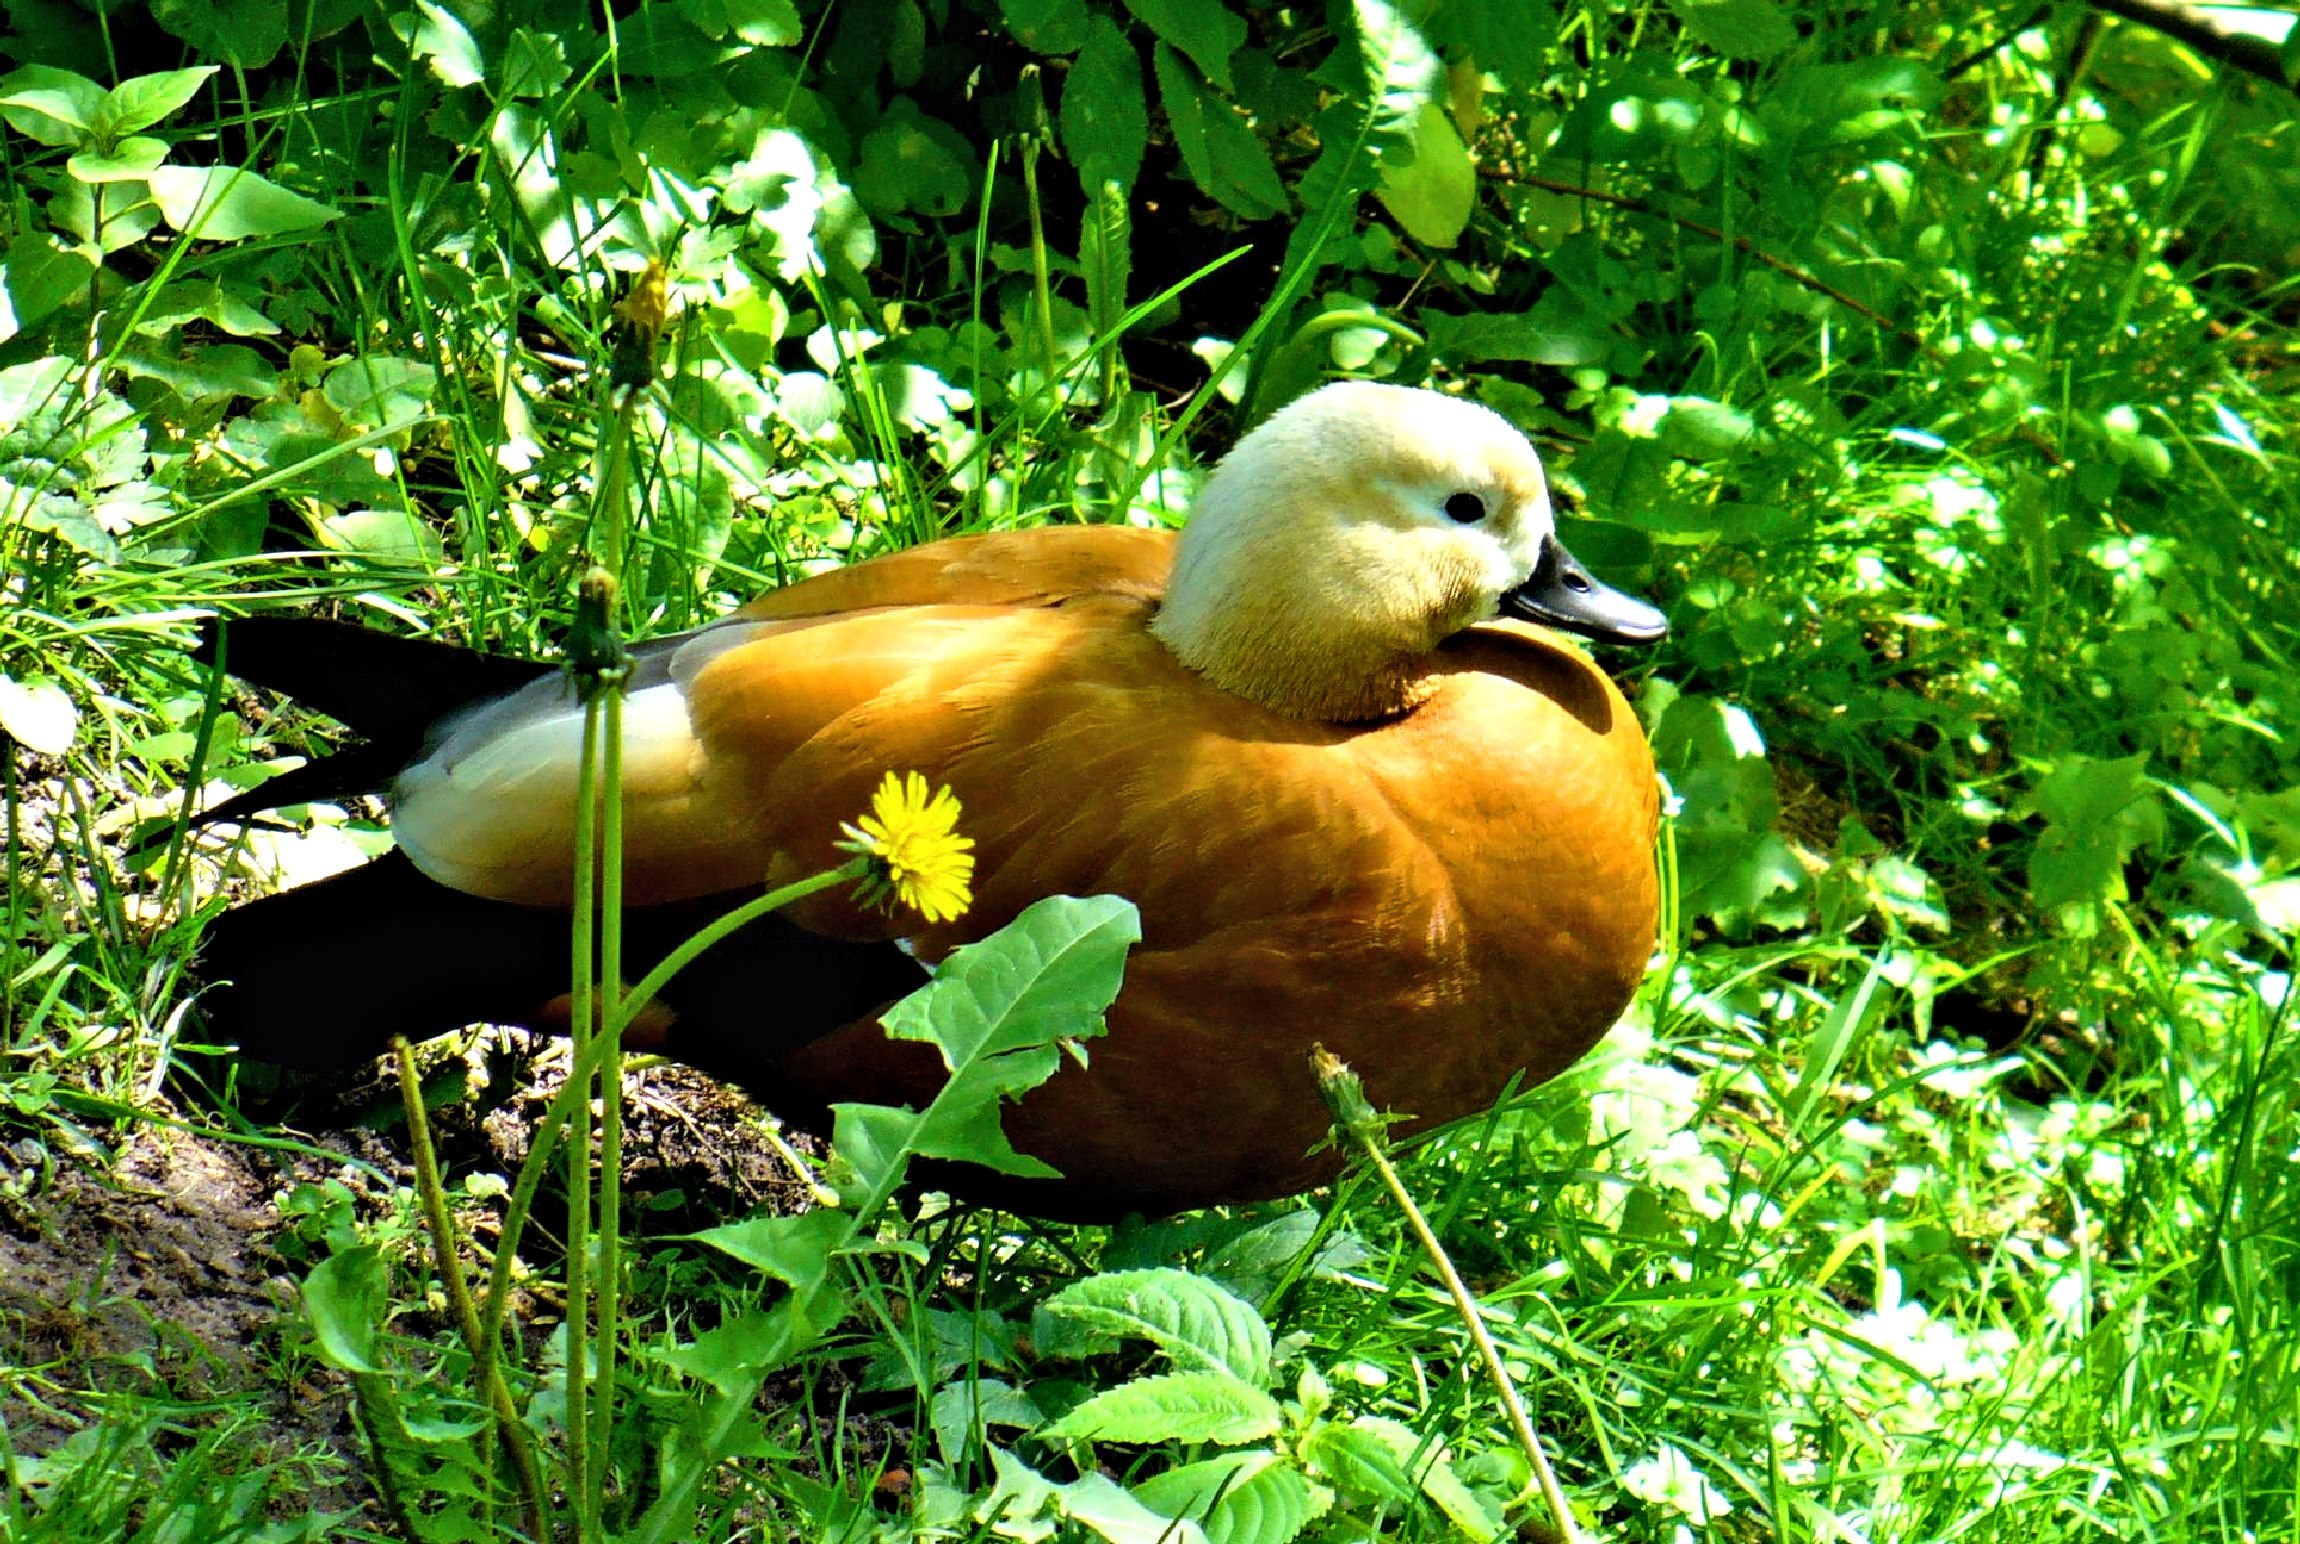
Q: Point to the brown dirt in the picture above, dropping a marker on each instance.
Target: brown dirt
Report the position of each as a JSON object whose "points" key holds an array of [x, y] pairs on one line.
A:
{"points": [[162, 1279]]}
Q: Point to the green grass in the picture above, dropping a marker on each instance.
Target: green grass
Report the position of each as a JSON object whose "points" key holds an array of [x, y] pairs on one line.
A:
{"points": [[1938, 1186]]}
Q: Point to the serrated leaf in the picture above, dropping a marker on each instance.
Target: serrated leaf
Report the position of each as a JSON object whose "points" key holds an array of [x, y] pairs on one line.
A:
{"points": [[1223, 156], [38, 715], [1431, 196], [1173, 1407], [1105, 118], [1202, 30], [1430, 1469], [221, 203], [996, 1011], [534, 65], [1738, 29], [1238, 1498], [794, 1250], [1402, 77], [140, 102], [1199, 1324], [1106, 255], [343, 1302], [736, 1354], [1358, 1461]]}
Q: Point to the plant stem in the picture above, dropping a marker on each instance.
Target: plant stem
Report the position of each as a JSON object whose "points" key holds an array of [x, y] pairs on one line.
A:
{"points": [[1353, 1117], [477, 1337]]}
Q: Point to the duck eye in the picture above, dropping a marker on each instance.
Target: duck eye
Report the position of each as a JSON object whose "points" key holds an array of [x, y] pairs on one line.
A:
{"points": [[1467, 508]]}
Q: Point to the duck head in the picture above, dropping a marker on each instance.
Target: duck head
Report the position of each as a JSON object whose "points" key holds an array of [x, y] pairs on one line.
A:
{"points": [[1343, 540]]}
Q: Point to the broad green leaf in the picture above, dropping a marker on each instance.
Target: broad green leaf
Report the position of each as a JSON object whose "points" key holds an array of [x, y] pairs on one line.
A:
{"points": [[964, 1411], [794, 1250], [37, 275], [1358, 1461], [1105, 120], [53, 107], [996, 1011], [1238, 1498], [534, 64], [1701, 430], [58, 515], [1509, 38], [1173, 1407], [1100, 1504], [380, 389], [221, 203], [1022, 1501], [1479, 337], [1223, 155], [1402, 77], [437, 36], [1435, 1475], [1432, 195], [912, 162], [734, 1355], [764, 23], [1048, 26], [1200, 1325], [1203, 30], [138, 103], [396, 537], [133, 159], [1738, 29], [343, 1300], [1046, 976], [38, 715], [216, 370], [204, 300], [246, 33]]}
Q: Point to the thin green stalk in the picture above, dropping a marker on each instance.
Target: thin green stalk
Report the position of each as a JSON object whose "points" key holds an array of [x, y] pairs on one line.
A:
{"points": [[476, 1337], [1346, 1099], [547, 1130], [608, 1276], [1041, 283], [581, 1031]]}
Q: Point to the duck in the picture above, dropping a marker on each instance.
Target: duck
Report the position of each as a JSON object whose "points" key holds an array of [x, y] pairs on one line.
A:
{"points": [[1330, 739]]}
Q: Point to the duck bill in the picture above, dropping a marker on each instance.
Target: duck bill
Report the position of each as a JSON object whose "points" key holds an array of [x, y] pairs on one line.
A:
{"points": [[1564, 595]]}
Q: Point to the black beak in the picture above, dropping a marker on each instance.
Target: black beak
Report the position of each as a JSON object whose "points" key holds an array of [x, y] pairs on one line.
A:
{"points": [[1562, 594]]}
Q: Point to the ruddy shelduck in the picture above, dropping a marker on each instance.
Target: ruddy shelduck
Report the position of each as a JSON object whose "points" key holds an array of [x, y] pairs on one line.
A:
{"points": [[1355, 796]]}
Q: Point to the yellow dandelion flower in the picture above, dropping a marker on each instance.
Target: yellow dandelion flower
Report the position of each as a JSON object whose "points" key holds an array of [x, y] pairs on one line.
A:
{"points": [[917, 856], [648, 304]]}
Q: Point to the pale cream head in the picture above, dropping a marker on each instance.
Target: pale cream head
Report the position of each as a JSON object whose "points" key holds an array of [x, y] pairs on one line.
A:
{"points": [[1344, 539]]}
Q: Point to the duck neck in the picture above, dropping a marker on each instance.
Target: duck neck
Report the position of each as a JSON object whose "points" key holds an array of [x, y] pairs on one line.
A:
{"points": [[1291, 666]]}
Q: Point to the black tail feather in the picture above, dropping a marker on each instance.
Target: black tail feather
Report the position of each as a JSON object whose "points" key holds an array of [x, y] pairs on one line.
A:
{"points": [[323, 976], [390, 689]]}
